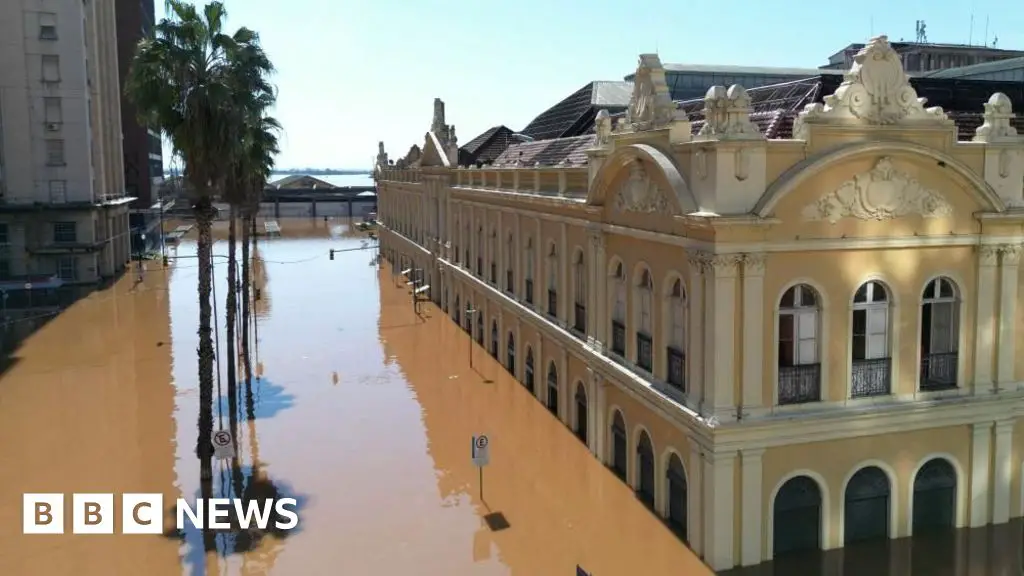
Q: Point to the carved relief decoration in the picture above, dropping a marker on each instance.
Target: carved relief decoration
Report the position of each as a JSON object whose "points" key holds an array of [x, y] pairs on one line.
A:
{"points": [[602, 127], [650, 106], [741, 164], [997, 127], [640, 194], [727, 115], [882, 193], [876, 90], [700, 163]]}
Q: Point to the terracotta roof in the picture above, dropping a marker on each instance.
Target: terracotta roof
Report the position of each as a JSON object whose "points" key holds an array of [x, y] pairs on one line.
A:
{"points": [[486, 147], [574, 115], [547, 152]]}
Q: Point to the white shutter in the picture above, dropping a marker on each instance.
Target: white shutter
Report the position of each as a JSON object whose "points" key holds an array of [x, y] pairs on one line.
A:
{"points": [[806, 337], [877, 333], [942, 327]]}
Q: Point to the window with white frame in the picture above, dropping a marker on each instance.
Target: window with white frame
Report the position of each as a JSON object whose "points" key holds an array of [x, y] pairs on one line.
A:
{"points": [[798, 360], [528, 272], [54, 152], [510, 285], [675, 373], [579, 272], [871, 341], [67, 268], [50, 68], [52, 111], [480, 251], [65, 232], [619, 311], [58, 191], [644, 349], [940, 335], [47, 26], [552, 273], [492, 255]]}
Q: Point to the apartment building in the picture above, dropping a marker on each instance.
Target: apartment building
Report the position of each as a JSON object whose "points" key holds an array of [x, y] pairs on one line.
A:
{"points": [[63, 206], [786, 320]]}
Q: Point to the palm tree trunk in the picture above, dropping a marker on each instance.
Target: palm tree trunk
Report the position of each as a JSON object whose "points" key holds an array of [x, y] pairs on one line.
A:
{"points": [[232, 304], [204, 444], [246, 358]]}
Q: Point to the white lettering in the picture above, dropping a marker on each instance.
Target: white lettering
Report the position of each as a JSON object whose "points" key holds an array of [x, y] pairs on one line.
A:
{"points": [[197, 516], [293, 518], [252, 510], [219, 508]]}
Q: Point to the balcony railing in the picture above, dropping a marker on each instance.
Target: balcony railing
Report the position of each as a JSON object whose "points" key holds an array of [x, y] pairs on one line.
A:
{"points": [[644, 351], [580, 318], [552, 303], [871, 377], [529, 291], [618, 338], [676, 368], [799, 384], [939, 371], [510, 286]]}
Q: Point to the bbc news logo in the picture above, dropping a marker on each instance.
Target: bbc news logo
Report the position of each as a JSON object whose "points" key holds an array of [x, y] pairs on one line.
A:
{"points": [[143, 513]]}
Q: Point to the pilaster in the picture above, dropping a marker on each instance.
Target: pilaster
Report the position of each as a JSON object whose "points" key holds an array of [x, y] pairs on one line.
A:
{"points": [[988, 257], [564, 387], [592, 281], [1002, 472], [540, 371], [564, 262], [1007, 313], [720, 302], [981, 460], [753, 332], [540, 280], [695, 382], [499, 248], [751, 506], [520, 353], [601, 317], [695, 500], [595, 419], [719, 497]]}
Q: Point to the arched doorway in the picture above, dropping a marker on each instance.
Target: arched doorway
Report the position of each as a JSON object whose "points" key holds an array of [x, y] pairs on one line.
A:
{"points": [[479, 328], [645, 469], [796, 523], [458, 311], [935, 497], [866, 506], [581, 413], [619, 446], [552, 389], [494, 339], [528, 380], [677, 503], [510, 355]]}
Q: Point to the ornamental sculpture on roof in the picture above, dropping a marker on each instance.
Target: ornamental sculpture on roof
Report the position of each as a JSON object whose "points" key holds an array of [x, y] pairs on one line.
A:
{"points": [[875, 91], [650, 106]]}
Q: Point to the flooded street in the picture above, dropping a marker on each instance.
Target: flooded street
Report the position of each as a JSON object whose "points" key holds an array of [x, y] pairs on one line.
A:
{"points": [[364, 413]]}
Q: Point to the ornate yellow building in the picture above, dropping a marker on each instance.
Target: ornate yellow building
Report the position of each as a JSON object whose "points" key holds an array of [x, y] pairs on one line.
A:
{"points": [[785, 329]]}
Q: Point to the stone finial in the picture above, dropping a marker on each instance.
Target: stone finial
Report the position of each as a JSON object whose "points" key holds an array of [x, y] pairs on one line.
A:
{"points": [[452, 139], [437, 126], [875, 91], [603, 127], [997, 127], [727, 115], [650, 106], [382, 156]]}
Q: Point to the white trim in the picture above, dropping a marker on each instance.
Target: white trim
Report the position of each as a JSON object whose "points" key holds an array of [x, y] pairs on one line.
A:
{"points": [[634, 454], [823, 357], [893, 498], [824, 519], [959, 495]]}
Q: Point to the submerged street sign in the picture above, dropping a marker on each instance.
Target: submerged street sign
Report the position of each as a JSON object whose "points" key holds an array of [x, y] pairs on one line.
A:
{"points": [[481, 451], [223, 447]]}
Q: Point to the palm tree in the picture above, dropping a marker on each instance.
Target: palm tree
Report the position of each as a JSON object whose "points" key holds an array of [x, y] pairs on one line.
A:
{"points": [[183, 82]]}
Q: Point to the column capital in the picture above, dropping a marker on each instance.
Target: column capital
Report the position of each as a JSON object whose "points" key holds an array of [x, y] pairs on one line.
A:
{"points": [[1004, 427], [753, 264], [982, 428], [1010, 254], [716, 458], [751, 454], [724, 265], [988, 255]]}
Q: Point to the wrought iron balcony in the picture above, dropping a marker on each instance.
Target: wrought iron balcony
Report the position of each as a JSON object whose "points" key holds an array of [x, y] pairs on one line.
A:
{"points": [[552, 303], [644, 351], [939, 371], [676, 370], [871, 377], [580, 318], [799, 384], [529, 291], [618, 338]]}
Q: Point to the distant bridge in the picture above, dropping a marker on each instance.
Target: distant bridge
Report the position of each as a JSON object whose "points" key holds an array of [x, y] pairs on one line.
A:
{"points": [[307, 199], [339, 194]]}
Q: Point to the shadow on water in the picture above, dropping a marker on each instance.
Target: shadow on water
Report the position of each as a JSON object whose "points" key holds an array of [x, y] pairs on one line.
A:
{"points": [[269, 400]]}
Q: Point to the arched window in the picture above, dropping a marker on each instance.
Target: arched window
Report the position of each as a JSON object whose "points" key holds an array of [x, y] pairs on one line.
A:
{"points": [[645, 469], [799, 362], [528, 273], [552, 282], [479, 328], [619, 311], [677, 496], [553, 389], [480, 247], [644, 347], [940, 335], [510, 355], [510, 285], [465, 234], [872, 364], [528, 379], [458, 311], [581, 412], [494, 339], [456, 244], [619, 458], [675, 372], [579, 285], [492, 255]]}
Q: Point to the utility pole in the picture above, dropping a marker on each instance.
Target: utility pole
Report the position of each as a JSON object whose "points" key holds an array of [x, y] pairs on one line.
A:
{"points": [[470, 313]]}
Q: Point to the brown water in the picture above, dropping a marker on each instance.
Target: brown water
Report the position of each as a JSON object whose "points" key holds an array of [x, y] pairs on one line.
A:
{"points": [[364, 413]]}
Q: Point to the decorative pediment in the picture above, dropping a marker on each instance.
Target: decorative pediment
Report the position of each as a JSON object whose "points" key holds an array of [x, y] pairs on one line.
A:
{"points": [[650, 106], [882, 193], [641, 194], [876, 91]]}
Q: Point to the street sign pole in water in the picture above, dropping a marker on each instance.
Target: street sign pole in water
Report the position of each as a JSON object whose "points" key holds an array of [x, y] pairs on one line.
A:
{"points": [[481, 454], [223, 446]]}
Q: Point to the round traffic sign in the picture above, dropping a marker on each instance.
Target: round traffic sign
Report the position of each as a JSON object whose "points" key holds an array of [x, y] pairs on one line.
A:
{"points": [[481, 442], [221, 439]]}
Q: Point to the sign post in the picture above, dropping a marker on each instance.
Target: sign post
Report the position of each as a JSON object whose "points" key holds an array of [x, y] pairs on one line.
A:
{"points": [[223, 446], [481, 454]]}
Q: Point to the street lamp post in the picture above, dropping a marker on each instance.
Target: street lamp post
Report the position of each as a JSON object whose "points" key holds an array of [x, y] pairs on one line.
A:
{"points": [[470, 312]]}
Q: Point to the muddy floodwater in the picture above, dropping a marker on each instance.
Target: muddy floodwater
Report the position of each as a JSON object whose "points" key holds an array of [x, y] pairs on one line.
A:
{"points": [[363, 412]]}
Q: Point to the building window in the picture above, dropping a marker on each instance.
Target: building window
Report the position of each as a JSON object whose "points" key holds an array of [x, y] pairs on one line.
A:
{"points": [[55, 152], [65, 232], [552, 282], [798, 363], [644, 351], [528, 273], [52, 112], [5, 269], [940, 335], [510, 284], [871, 371], [67, 268], [492, 255], [47, 26], [51, 68], [619, 311], [58, 191], [675, 373], [480, 252], [5, 238], [579, 284]]}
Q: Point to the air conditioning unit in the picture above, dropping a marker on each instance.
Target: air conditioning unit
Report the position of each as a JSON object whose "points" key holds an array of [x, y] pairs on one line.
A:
{"points": [[52, 127]]}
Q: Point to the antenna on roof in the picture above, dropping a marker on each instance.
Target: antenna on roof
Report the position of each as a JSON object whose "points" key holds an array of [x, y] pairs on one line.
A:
{"points": [[985, 43], [970, 35]]}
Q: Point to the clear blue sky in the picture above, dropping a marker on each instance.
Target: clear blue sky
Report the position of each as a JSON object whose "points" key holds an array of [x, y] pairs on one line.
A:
{"points": [[351, 73]]}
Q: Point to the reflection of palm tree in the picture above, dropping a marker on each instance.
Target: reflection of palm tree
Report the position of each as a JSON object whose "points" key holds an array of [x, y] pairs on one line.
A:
{"points": [[260, 281]]}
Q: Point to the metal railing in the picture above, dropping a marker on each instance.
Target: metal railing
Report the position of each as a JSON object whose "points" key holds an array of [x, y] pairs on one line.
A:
{"points": [[552, 303], [618, 338], [644, 351], [675, 373], [799, 384], [939, 371], [580, 318], [871, 377]]}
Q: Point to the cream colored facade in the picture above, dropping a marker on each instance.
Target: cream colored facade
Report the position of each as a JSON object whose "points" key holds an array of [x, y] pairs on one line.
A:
{"points": [[781, 288], [63, 207]]}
